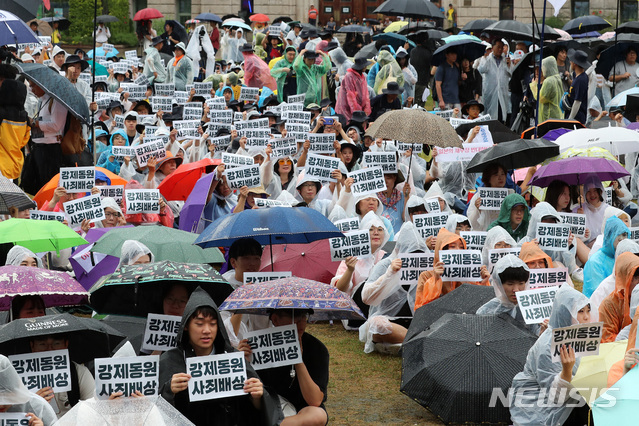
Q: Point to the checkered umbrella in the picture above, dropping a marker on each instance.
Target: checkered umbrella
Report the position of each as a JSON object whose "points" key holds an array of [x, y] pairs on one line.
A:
{"points": [[12, 196]]}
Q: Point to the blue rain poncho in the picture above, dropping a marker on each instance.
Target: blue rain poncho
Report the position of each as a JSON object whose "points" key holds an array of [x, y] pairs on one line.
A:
{"points": [[104, 162]]}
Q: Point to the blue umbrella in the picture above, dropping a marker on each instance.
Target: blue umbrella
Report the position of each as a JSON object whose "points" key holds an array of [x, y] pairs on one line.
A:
{"points": [[13, 30], [468, 49], [208, 16], [236, 23], [394, 39], [100, 52]]}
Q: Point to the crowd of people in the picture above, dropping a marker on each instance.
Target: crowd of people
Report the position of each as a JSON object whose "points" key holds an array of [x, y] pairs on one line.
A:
{"points": [[342, 95]]}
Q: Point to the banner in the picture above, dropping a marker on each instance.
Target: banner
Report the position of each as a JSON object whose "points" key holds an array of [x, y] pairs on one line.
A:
{"points": [[44, 369]]}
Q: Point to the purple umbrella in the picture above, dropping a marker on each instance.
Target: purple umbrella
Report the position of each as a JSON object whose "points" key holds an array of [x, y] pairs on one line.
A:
{"points": [[56, 288], [555, 133], [569, 169], [633, 126], [195, 203]]}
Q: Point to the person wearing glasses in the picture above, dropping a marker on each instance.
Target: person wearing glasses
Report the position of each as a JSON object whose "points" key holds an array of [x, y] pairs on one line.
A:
{"points": [[282, 176]]}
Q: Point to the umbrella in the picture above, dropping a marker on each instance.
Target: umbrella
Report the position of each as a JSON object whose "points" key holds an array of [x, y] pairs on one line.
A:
{"points": [[39, 235], [63, 23], [354, 29], [394, 39], [554, 134], [564, 35], [617, 140], [548, 125], [12, 196], [193, 207], [369, 51], [589, 35], [621, 99], [105, 19], [56, 288], [416, 26], [147, 13], [551, 48], [454, 367], [465, 299], [311, 261], [569, 169], [43, 27], [192, 21], [614, 54], [631, 27], [514, 154], [467, 49], [593, 370], [178, 29], [165, 243], [617, 406], [461, 37], [478, 25], [88, 337], [100, 52], [46, 192], [209, 17], [410, 9], [326, 301], [236, 23], [13, 30], [179, 184], [57, 87], [275, 225], [285, 19], [549, 32], [259, 17], [138, 289], [499, 131], [414, 126], [99, 69], [25, 9], [510, 29], [586, 23], [395, 26]]}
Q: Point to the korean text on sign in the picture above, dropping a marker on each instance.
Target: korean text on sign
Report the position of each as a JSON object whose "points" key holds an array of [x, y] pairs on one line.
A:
{"points": [[346, 225], [89, 208], [77, 179], [161, 332], [386, 160], [127, 375], [553, 236], [321, 143], [461, 265], [491, 198], [495, 254], [234, 160], [577, 223], [354, 243], [429, 224], [44, 369], [321, 167], [142, 201], [14, 419], [368, 181], [216, 376], [474, 239], [112, 191], [238, 177], [536, 305], [42, 215], [275, 347], [262, 203], [584, 339], [547, 277], [413, 265], [154, 148]]}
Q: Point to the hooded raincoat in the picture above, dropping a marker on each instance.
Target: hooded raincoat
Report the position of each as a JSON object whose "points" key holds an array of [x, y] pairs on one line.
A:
{"points": [[180, 72], [616, 371], [152, 65], [494, 236], [257, 73], [552, 90], [131, 251], [609, 212], [389, 70], [531, 252], [453, 220], [624, 334], [495, 77], [279, 73], [231, 44], [104, 161], [503, 220], [17, 254], [615, 309], [594, 215], [309, 79], [353, 95], [340, 59]]}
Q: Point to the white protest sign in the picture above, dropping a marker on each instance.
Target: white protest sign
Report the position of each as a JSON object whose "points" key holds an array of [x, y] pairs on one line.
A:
{"points": [[44, 369], [262, 203], [222, 116], [142, 201], [181, 96], [634, 234], [142, 80], [456, 122], [103, 99], [119, 152], [577, 223], [203, 89], [367, 181], [217, 103], [119, 121], [190, 113], [296, 98], [221, 143], [131, 54], [119, 67], [432, 205], [491, 198], [262, 277], [43, 215], [258, 123], [584, 339], [346, 225], [243, 176], [301, 117], [274, 347], [235, 160], [608, 195], [446, 155], [127, 375], [461, 265], [354, 243], [553, 236], [153, 148], [283, 147], [274, 30], [107, 47], [386, 160], [484, 136], [446, 115], [135, 91], [249, 94], [214, 127], [536, 305], [89, 208], [321, 167], [14, 419], [297, 130], [321, 143], [429, 224], [160, 103], [416, 147], [474, 239], [112, 191], [413, 264], [216, 376], [161, 332], [77, 179], [495, 254], [547, 277], [164, 89]]}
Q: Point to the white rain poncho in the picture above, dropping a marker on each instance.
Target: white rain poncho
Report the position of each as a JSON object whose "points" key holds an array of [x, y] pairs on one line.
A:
{"points": [[436, 191], [318, 204], [131, 251], [112, 204], [340, 59], [197, 43], [272, 181], [594, 215], [537, 387], [454, 220], [14, 393], [349, 202], [453, 178], [495, 77], [382, 290], [18, 253], [415, 201], [495, 235]]}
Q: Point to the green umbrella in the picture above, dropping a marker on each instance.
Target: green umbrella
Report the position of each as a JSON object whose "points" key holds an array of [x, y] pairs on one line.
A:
{"points": [[39, 235], [165, 243]]}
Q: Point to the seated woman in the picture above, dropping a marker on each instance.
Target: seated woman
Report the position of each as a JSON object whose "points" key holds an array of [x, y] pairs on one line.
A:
{"points": [[496, 238], [394, 199], [113, 215], [21, 256], [309, 187], [615, 309], [29, 306], [457, 223], [494, 176], [608, 213], [594, 206], [538, 387], [513, 216], [220, 201], [135, 253], [246, 199]]}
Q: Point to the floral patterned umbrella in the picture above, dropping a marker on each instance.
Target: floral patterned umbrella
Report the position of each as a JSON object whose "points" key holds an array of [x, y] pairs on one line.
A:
{"points": [[326, 301], [56, 288]]}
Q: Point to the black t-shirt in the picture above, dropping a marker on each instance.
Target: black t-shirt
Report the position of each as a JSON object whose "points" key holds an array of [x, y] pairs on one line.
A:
{"points": [[579, 92], [379, 105]]}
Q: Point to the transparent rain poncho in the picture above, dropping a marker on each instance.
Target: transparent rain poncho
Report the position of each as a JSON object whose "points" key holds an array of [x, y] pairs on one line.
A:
{"points": [[18, 253], [552, 90], [454, 220], [131, 251], [494, 236], [389, 70], [602, 263], [340, 59], [257, 73]]}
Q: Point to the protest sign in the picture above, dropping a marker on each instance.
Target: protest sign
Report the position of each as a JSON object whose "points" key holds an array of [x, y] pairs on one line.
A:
{"points": [[553, 236], [354, 243], [547, 277], [203, 89], [461, 265], [491, 198], [583, 338], [77, 179], [135, 91], [181, 125], [386, 160], [44, 215], [577, 223], [249, 94], [274, 347], [190, 113], [413, 264], [142, 80], [495, 254], [634, 234], [142, 201], [466, 153], [259, 136], [301, 117], [164, 89], [367, 181], [416, 147], [446, 115], [536, 305], [217, 103], [484, 136], [118, 120], [321, 167], [429, 224], [262, 203], [119, 152], [456, 122], [321, 143], [160, 103], [221, 143], [296, 98], [44, 369], [608, 195], [216, 376], [237, 116], [346, 225], [103, 99], [127, 375], [275, 31], [262, 277], [297, 130], [222, 116], [181, 96], [161, 332], [214, 127], [283, 147], [235, 160], [131, 54], [243, 176], [112, 191], [474, 239], [14, 419], [258, 123], [89, 208], [153, 148], [119, 67], [432, 205]]}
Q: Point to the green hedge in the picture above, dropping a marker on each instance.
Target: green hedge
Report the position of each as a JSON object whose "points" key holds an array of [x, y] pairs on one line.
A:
{"points": [[81, 17]]}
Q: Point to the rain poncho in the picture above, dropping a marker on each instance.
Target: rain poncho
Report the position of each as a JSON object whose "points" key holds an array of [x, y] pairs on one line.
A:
{"points": [[480, 220], [309, 79], [389, 70], [594, 215], [112, 204], [17, 254], [257, 73], [153, 64], [231, 45], [616, 371], [552, 90], [608, 213], [495, 78], [454, 220], [353, 95], [504, 216], [537, 388], [601, 264], [104, 161], [624, 334], [453, 178], [279, 74], [615, 309], [323, 206], [131, 251], [435, 191], [530, 252], [494, 236], [340, 60], [501, 302], [181, 74]]}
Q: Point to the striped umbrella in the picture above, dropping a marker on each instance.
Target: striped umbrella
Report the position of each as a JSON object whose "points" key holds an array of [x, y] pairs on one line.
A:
{"points": [[12, 196]]}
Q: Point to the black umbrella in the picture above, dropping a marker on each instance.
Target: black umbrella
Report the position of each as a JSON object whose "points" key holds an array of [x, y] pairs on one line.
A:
{"points": [[57, 87], [549, 32], [417, 26], [369, 51], [514, 154], [519, 72], [132, 327], [63, 23], [585, 24], [465, 299], [551, 48], [88, 337], [286, 19], [477, 25], [615, 53], [500, 132], [467, 49], [23, 9], [179, 30], [410, 8], [12, 196], [453, 368], [433, 34], [631, 27], [354, 29], [510, 29], [552, 124], [105, 19]]}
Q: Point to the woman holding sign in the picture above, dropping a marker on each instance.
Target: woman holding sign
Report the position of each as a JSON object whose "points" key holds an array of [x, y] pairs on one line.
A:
{"points": [[494, 176], [601, 264], [513, 216], [109, 161], [615, 309]]}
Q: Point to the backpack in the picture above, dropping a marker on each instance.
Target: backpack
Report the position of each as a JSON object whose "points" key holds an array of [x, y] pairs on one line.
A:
{"points": [[72, 141]]}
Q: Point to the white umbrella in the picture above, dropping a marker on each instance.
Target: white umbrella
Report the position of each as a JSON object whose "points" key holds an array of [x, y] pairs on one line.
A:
{"points": [[617, 140], [621, 99]]}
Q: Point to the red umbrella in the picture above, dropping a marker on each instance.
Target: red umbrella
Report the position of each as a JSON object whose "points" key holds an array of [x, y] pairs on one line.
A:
{"points": [[259, 17], [311, 261], [179, 184], [148, 13]]}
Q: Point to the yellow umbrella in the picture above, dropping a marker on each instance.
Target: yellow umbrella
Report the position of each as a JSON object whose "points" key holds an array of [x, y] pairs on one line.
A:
{"points": [[592, 376], [395, 26]]}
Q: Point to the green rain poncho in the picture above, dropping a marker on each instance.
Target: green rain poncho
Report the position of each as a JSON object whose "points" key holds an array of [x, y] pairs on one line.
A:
{"points": [[389, 70], [309, 79], [258, 49], [153, 64], [280, 76], [180, 74], [504, 217], [552, 90]]}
